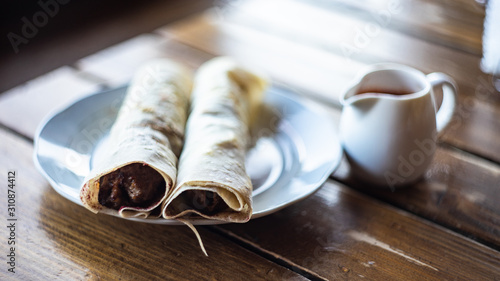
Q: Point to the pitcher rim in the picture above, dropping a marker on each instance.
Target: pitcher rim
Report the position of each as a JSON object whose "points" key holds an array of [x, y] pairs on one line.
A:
{"points": [[381, 67]]}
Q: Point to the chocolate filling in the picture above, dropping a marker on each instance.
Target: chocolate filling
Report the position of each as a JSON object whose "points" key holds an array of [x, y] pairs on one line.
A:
{"points": [[134, 185], [207, 202]]}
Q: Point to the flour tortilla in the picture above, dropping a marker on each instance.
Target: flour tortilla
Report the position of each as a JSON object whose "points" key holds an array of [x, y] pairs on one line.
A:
{"points": [[149, 130], [224, 99]]}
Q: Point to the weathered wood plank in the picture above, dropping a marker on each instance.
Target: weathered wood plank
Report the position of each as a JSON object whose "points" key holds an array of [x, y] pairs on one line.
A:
{"points": [[116, 65], [341, 234], [56, 239], [301, 66], [355, 37], [351, 40], [25, 106], [456, 24], [459, 191]]}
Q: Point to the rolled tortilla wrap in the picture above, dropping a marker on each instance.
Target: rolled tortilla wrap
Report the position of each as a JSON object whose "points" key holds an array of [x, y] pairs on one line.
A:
{"points": [[139, 168], [212, 181]]}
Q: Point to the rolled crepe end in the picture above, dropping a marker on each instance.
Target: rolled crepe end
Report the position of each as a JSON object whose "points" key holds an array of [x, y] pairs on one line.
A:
{"points": [[212, 181], [235, 209], [148, 130], [89, 196]]}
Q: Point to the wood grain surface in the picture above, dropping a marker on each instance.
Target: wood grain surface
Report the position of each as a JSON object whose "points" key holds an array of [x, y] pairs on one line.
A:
{"points": [[457, 192], [341, 234], [444, 227], [24, 107]]}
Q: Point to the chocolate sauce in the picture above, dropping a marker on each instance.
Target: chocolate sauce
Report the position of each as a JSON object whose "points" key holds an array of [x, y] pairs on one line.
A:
{"points": [[134, 185]]}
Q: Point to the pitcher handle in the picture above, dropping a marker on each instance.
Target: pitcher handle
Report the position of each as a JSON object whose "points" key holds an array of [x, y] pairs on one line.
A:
{"points": [[445, 112]]}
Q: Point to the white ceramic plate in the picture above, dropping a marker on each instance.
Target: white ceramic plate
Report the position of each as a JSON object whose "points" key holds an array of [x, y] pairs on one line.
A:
{"points": [[296, 151]]}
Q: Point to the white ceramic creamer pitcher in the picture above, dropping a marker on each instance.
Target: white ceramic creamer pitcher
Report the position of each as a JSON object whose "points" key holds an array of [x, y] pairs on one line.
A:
{"points": [[389, 122]]}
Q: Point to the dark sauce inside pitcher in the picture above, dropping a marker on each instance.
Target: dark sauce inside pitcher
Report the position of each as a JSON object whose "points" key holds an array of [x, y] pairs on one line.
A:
{"points": [[379, 91]]}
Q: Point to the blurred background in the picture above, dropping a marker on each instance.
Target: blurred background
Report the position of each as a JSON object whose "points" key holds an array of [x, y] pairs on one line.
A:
{"points": [[63, 31], [39, 36]]}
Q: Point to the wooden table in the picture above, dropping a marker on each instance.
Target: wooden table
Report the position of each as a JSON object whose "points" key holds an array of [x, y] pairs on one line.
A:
{"points": [[445, 227]]}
